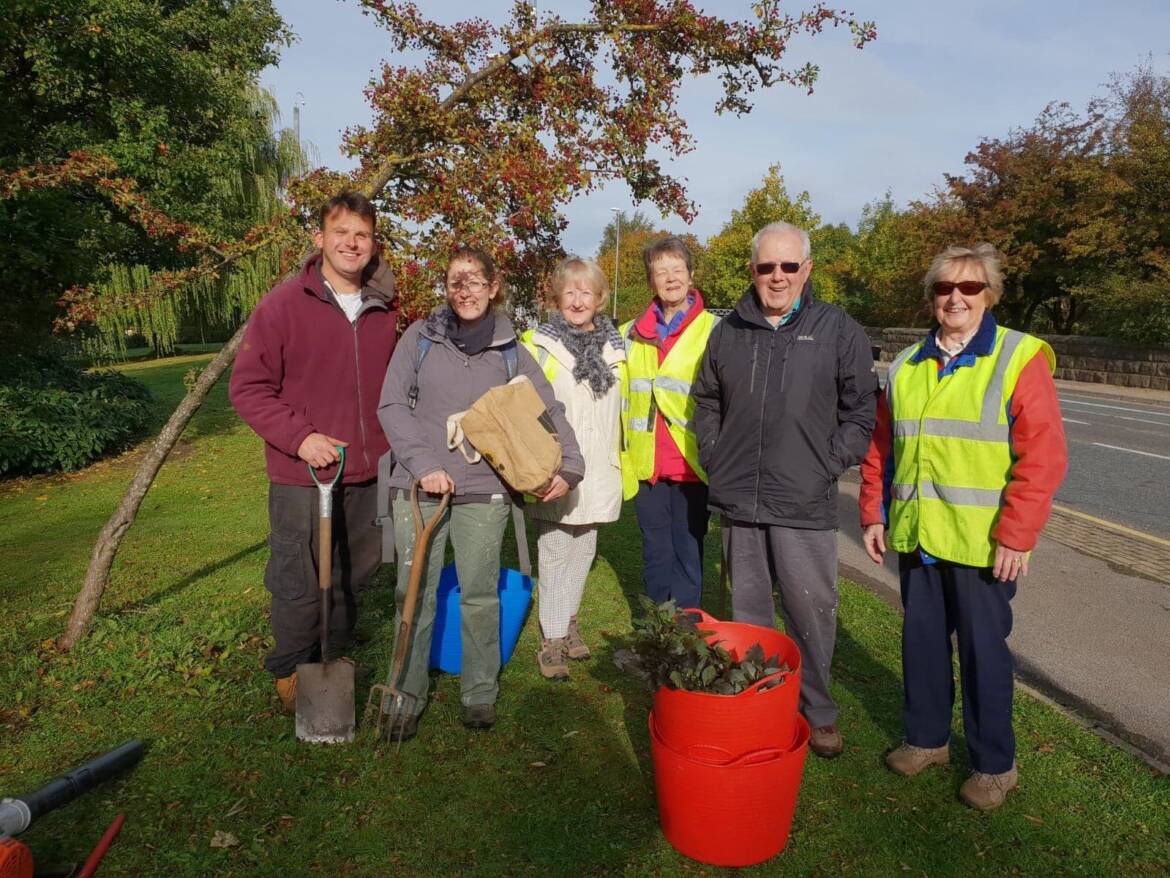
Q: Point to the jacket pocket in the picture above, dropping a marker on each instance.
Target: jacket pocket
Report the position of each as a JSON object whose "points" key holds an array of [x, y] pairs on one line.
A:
{"points": [[289, 574]]}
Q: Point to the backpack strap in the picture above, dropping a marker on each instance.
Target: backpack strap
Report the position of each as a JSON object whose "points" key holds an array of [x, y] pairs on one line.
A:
{"points": [[424, 345], [511, 359]]}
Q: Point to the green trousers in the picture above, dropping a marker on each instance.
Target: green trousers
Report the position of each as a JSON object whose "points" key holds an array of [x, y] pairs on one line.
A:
{"points": [[476, 531]]}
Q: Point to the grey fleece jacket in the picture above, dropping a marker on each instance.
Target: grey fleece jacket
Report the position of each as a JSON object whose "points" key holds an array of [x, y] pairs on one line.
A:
{"points": [[449, 382]]}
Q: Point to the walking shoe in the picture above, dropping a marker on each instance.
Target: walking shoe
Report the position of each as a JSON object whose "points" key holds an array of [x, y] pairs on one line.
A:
{"points": [[986, 792], [479, 716], [577, 649], [908, 760], [826, 742], [554, 664], [286, 690], [403, 728]]}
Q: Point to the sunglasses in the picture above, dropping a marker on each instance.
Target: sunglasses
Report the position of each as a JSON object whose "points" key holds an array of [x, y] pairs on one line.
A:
{"points": [[764, 268], [966, 287]]}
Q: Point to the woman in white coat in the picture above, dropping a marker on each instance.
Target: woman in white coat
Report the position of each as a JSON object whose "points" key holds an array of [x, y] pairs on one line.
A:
{"points": [[583, 357]]}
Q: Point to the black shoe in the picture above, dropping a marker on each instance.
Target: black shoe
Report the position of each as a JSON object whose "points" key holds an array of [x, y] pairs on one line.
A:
{"points": [[479, 716]]}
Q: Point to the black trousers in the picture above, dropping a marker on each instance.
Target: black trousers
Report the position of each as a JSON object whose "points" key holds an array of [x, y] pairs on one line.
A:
{"points": [[941, 599], [291, 575]]}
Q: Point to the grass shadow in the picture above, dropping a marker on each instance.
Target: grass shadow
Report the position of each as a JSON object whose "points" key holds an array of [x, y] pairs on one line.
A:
{"points": [[190, 579]]}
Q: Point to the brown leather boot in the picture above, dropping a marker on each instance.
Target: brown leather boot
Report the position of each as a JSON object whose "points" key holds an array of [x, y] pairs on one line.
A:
{"points": [[826, 742], [908, 760], [286, 689], [986, 792], [577, 648], [553, 660]]}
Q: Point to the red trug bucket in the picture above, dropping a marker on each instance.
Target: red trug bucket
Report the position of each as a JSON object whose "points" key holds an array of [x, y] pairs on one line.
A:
{"points": [[722, 728], [737, 813]]}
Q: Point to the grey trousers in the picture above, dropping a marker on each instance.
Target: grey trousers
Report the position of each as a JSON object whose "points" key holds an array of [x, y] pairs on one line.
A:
{"points": [[476, 531], [803, 565]]}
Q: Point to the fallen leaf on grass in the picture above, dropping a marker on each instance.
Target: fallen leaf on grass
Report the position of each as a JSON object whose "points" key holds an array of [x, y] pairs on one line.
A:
{"points": [[1045, 748], [570, 734], [1037, 820], [223, 839], [538, 764]]}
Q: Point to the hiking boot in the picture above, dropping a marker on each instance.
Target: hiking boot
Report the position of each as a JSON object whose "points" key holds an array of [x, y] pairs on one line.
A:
{"points": [[286, 690], [986, 792], [826, 742], [479, 716], [908, 760], [576, 648], [403, 728], [554, 664]]}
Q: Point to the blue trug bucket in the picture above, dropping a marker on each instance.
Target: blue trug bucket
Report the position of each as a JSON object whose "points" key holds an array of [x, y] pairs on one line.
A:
{"points": [[447, 642]]}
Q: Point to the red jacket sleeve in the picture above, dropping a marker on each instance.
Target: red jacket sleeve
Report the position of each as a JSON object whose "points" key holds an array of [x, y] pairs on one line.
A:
{"points": [[257, 377], [1040, 454], [878, 458]]}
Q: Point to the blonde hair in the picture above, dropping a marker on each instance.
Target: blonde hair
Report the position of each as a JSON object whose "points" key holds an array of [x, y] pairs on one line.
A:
{"points": [[983, 255], [575, 268]]}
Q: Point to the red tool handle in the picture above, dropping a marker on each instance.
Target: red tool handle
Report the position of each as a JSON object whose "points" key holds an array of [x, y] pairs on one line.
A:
{"points": [[103, 845]]}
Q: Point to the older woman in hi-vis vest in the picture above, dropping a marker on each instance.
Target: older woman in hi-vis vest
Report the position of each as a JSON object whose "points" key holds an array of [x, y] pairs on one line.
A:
{"points": [[660, 456], [959, 479]]}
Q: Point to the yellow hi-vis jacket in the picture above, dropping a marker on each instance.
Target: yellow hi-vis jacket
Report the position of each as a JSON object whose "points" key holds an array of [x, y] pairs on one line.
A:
{"points": [[952, 448], [650, 388]]}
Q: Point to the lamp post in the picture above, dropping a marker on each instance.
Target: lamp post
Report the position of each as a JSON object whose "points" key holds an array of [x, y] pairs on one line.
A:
{"points": [[298, 102], [617, 255]]}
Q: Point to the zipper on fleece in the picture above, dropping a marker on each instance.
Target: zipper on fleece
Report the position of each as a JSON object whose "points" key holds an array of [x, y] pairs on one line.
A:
{"points": [[760, 438]]}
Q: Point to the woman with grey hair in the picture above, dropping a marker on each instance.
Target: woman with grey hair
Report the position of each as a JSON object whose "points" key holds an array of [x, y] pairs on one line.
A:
{"points": [[959, 478], [581, 354]]}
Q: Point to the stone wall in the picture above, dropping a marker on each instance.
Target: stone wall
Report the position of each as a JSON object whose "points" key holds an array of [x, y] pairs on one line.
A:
{"points": [[1078, 358]]}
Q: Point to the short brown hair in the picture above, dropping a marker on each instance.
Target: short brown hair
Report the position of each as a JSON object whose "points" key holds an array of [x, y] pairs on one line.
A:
{"points": [[672, 245], [478, 254], [352, 201]]}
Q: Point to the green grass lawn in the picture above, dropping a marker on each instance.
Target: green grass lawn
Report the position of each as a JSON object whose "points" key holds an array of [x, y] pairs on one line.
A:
{"points": [[562, 786]]}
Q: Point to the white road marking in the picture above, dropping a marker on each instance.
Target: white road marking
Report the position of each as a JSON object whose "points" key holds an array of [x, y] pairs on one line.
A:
{"points": [[1132, 451], [1073, 421], [1116, 408], [1142, 420]]}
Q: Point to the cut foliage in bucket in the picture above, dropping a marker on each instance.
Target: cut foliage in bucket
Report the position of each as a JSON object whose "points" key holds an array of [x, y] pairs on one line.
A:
{"points": [[670, 648]]}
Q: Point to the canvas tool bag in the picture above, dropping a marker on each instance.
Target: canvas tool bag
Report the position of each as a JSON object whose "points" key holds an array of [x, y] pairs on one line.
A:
{"points": [[512, 430]]}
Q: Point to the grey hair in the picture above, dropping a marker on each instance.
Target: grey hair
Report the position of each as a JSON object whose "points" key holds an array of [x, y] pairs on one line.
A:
{"points": [[984, 255], [576, 268], [671, 245], [778, 228]]}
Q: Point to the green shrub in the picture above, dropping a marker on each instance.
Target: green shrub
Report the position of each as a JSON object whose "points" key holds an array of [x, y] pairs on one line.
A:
{"points": [[54, 416]]}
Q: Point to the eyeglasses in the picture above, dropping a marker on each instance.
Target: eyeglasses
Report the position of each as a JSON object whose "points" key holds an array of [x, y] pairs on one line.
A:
{"points": [[471, 286], [966, 287], [764, 268]]}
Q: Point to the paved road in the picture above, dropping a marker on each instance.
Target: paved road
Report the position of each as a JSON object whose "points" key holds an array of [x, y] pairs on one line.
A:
{"points": [[1119, 458]]}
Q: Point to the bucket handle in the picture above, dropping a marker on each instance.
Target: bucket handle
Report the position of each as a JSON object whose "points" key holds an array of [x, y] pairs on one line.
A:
{"points": [[695, 752], [777, 679]]}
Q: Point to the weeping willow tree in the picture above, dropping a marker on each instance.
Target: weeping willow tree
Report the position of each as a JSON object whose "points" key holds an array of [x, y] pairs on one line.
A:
{"points": [[254, 166]]}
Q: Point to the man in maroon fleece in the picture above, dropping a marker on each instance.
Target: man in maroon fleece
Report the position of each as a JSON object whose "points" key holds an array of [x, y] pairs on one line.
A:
{"points": [[307, 380]]}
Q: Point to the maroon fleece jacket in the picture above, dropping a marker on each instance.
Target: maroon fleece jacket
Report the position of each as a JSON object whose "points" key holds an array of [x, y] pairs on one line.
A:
{"points": [[304, 368]]}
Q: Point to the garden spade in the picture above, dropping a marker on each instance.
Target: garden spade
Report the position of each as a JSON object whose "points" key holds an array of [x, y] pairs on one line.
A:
{"points": [[325, 705], [387, 702]]}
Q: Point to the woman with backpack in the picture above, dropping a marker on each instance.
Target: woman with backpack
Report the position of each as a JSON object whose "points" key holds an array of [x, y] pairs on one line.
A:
{"points": [[440, 367], [582, 355]]}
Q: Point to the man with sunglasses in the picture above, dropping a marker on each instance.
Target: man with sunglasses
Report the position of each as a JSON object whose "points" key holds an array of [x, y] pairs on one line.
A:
{"points": [[784, 405]]}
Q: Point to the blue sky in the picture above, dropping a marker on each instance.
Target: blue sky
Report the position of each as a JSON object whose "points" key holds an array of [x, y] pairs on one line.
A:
{"points": [[894, 116]]}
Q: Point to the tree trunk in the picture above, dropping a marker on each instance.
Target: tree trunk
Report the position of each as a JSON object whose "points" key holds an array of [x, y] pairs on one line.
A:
{"points": [[112, 534]]}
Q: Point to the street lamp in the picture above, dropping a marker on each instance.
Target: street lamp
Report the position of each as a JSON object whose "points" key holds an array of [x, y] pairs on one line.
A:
{"points": [[298, 102], [617, 255]]}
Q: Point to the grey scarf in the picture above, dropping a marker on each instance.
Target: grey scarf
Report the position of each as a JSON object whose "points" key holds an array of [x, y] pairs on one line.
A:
{"points": [[586, 346]]}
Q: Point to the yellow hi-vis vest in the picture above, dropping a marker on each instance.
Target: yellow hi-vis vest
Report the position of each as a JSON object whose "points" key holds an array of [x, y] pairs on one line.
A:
{"points": [[548, 363], [952, 448], [650, 388]]}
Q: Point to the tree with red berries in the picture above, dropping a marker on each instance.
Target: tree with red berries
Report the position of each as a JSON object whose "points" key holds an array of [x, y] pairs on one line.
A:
{"points": [[493, 134]]}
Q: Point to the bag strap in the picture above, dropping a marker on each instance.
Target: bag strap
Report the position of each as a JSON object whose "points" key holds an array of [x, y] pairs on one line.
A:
{"points": [[424, 345], [457, 439], [520, 529]]}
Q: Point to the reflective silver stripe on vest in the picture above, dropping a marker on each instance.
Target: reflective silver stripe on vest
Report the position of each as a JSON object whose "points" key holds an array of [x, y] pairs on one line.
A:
{"points": [[673, 385], [640, 425], [893, 370], [953, 429], [989, 497], [993, 398], [641, 385], [541, 356]]}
